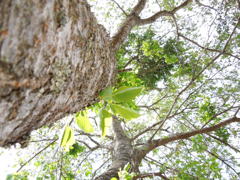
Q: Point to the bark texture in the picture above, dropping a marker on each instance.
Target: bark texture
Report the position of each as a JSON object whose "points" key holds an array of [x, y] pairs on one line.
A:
{"points": [[54, 60], [123, 153]]}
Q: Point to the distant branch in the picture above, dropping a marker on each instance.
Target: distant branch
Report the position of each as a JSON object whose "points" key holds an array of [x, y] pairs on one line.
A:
{"points": [[201, 4], [82, 142], [124, 12], [39, 152], [159, 14], [225, 143], [224, 162], [159, 142], [124, 70], [206, 48]]}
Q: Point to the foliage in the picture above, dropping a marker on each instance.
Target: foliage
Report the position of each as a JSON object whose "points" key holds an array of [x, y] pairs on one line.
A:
{"points": [[124, 173], [67, 138], [83, 122], [152, 59], [173, 77]]}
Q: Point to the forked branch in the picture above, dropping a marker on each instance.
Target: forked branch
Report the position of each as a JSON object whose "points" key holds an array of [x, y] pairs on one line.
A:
{"points": [[127, 25], [133, 20]]}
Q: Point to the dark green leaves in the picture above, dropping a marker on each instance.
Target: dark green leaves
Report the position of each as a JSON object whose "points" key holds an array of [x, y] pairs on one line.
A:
{"points": [[67, 138], [76, 149], [223, 134], [83, 122], [150, 58], [207, 110]]}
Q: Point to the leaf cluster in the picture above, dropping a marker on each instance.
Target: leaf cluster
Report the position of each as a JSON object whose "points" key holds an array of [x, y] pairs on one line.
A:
{"points": [[150, 58]]}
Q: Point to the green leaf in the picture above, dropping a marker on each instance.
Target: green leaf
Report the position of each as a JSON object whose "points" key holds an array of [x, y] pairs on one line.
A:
{"points": [[83, 122], [127, 167], [106, 94], [105, 121], [68, 138], [125, 112], [171, 59], [126, 94], [76, 149], [114, 178]]}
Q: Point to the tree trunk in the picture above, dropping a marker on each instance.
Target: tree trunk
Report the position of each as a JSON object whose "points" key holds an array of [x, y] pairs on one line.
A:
{"points": [[123, 153], [54, 60]]}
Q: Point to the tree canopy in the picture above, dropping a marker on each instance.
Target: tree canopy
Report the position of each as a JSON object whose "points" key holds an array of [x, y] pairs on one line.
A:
{"points": [[172, 111]]}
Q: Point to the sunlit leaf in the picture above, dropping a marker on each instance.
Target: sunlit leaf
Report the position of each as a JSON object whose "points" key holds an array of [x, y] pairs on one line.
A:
{"points": [[106, 94], [126, 94], [171, 59], [68, 138], [105, 121], [125, 112], [114, 178], [83, 122]]}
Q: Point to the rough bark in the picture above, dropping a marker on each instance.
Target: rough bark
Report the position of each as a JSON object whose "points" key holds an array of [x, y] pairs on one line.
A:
{"points": [[123, 153], [54, 60]]}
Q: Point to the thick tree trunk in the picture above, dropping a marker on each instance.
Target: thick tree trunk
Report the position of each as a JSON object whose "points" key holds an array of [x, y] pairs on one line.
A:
{"points": [[54, 60]]}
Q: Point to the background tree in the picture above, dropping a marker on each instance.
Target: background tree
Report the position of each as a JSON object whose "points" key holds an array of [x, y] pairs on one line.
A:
{"points": [[183, 54]]}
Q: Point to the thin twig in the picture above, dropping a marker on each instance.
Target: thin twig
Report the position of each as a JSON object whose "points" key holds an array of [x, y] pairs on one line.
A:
{"points": [[36, 155], [124, 12]]}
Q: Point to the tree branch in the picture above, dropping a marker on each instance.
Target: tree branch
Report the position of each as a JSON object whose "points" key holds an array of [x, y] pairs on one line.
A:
{"points": [[127, 25], [163, 13], [159, 142], [206, 48], [224, 162], [124, 12], [36, 155], [225, 143], [139, 7], [201, 4]]}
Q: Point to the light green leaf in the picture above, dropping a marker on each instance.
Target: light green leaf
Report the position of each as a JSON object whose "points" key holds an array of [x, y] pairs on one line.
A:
{"points": [[127, 167], [83, 122], [125, 112], [171, 59], [114, 178], [67, 139], [105, 121], [106, 94], [126, 94]]}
